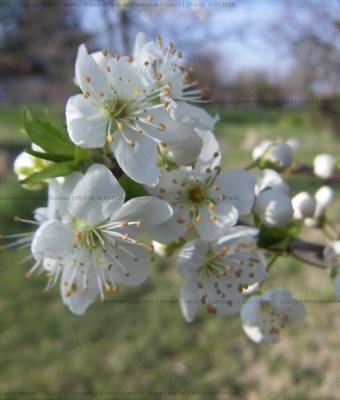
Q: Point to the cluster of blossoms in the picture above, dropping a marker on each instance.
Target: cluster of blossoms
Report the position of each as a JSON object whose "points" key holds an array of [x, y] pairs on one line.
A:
{"points": [[138, 117]]}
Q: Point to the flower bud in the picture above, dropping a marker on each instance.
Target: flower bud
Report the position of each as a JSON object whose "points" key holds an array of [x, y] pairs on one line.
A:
{"points": [[272, 180], [324, 166], [323, 197], [278, 156], [184, 152], [294, 143], [274, 208], [303, 205], [260, 149], [26, 165]]}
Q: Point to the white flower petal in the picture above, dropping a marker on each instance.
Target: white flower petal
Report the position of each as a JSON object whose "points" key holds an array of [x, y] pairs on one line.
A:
{"points": [[171, 229], [86, 124], [88, 74], [53, 239], [239, 189], [192, 256], [210, 156], [137, 269], [189, 300], [188, 114], [151, 212], [138, 162], [226, 217], [59, 194], [96, 196], [79, 299]]}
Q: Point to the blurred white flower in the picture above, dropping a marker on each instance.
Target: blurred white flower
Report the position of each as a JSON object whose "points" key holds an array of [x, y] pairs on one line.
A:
{"points": [[331, 256], [304, 205], [263, 317], [294, 143], [274, 208], [323, 198], [25, 165], [270, 179], [324, 166], [92, 245], [217, 274], [273, 155]]}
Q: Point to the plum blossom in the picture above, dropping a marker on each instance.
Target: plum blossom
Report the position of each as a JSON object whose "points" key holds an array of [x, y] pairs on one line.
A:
{"points": [[91, 239], [217, 274], [118, 110], [304, 205], [263, 317], [274, 155], [202, 197], [331, 256]]}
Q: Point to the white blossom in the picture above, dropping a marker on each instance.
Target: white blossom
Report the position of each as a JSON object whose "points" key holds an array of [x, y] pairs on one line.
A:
{"points": [[331, 256], [274, 208], [304, 205], [89, 238], [218, 273], [118, 109], [202, 197], [324, 166], [263, 317]]}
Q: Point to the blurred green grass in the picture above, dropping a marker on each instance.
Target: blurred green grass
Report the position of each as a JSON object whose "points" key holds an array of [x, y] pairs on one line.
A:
{"points": [[137, 341]]}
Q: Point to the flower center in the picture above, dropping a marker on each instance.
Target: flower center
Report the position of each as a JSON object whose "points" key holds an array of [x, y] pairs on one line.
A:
{"points": [[196, 194], [118, 109]]}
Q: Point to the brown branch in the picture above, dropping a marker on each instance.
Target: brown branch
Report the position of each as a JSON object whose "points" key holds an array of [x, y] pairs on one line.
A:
{"points": [[301, 168]]}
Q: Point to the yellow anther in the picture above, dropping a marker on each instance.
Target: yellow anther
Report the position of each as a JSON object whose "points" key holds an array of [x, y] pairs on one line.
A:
{"points": [[191, 68], [163, 144], [114, 289], [166, 103], [101, 94], [166, 92], [211, 206], [120, 126], [110, 138], [146, 62], [88, 79], [161, 127], [151, 248], [213, 218], [180, 221], [105, 52], [222, 197], [108, 69], [198, 219], [216, 188], [125, 236], [139, 223], [186, 78], [129, 59], [68, 293], [116, 57], [159, 41], [190, 225], [162, 190], [86, 94], [131, 143], [77, 236], [158, 76], [149, 118], [125, 223]]}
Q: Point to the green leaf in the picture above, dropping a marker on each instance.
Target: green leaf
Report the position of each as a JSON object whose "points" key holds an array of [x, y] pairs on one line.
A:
{"points": [[132, 188], [52, 171], [47, 156], [49, 137]]}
